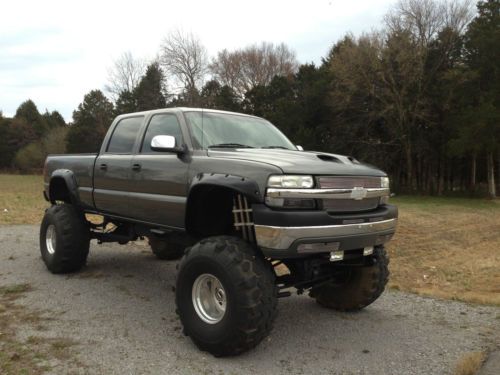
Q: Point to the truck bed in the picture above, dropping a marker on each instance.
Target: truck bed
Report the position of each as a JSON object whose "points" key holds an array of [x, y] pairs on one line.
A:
{"points": [[82, 165]]}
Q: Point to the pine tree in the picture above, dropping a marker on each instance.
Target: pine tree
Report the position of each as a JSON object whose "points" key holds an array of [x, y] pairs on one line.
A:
{"points": [[28, 112], [483, 59], [126, 103], [54, 119], [90, 123], [215, 96], [149, 93]]}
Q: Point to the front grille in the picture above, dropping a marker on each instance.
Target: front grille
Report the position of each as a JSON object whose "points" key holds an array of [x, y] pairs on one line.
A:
{"points": [[348, 182], [350, 205]]}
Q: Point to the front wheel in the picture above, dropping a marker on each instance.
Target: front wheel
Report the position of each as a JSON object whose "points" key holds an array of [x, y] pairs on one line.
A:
{"points": [[356, 287], [226, 295], [64, 239]]}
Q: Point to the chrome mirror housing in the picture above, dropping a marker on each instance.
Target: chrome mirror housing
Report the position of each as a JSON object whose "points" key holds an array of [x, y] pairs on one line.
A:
{"points": [[163, 143]]}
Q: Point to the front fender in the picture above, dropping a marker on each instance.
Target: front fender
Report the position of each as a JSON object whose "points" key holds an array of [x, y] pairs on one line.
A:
{"points": [[243, 185]]}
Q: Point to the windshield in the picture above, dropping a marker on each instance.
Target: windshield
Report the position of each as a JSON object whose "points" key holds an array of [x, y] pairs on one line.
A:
{"points": [[211, 129]]}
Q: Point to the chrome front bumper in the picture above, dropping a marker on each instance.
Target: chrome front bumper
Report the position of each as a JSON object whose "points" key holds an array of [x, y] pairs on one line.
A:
{"points": [[282, 238]]}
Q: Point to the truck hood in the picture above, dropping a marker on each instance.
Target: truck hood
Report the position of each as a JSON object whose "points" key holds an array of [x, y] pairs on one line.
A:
{"points": [[301, 162]]}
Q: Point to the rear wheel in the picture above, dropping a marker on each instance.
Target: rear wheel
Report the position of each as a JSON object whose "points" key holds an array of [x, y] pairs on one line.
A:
{"points": [[64, 239], [356, 287], [165, 250], [226, 295]]}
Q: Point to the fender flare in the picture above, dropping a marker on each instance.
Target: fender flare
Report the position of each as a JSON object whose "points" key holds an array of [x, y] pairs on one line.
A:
{"points": [[69, 180], [238, 184]]}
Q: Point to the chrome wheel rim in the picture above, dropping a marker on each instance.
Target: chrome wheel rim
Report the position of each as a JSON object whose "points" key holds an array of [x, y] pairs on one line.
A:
{"points": [[209, 298], [50, 239]]}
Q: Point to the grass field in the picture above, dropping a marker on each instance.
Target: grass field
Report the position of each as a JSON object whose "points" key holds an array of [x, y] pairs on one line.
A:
{"points": [[21, 199], [447, 247], [444, 247]]}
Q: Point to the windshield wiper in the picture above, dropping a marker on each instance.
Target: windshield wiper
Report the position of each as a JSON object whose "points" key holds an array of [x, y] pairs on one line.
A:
{"points": [[230, 145], [282, 147]]}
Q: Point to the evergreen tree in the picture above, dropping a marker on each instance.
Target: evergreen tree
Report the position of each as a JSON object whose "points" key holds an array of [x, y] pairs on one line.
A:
{"points": [[15, 134], [126, 103], [482, 115], [54, 119], [28, 112], [215, 96], [90, 123], [149, 93]]}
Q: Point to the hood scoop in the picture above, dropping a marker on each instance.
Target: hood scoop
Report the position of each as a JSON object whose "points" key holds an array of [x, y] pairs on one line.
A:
{"points": [[328, 158]]}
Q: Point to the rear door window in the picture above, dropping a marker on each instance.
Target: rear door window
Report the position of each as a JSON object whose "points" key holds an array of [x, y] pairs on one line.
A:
{"points": [[124, 135]]}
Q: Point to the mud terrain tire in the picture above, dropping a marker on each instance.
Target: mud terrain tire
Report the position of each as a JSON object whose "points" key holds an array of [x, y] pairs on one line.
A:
{"points": [[64, 239], [248, 287], [361, 286]]}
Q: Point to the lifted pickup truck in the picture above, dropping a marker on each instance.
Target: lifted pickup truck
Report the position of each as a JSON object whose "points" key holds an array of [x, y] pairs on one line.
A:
{"points": [[252, 215]]}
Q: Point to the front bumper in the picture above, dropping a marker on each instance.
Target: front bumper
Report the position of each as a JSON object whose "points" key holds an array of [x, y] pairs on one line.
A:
{"points": [[296, 234]]}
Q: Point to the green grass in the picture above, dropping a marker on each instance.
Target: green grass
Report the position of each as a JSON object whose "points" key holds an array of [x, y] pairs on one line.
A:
{"points": [[21, 199]]}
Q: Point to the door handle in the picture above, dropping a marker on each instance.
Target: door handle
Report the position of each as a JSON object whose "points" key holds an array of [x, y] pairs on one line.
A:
{"points": [[103, 166], [136, 167]]}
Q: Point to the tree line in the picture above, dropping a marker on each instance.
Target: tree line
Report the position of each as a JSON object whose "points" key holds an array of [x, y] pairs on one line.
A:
{"points": [[420, 97]]}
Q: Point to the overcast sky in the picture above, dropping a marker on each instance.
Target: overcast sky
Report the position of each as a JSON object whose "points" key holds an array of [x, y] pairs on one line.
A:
{"points": [[54, 52]]}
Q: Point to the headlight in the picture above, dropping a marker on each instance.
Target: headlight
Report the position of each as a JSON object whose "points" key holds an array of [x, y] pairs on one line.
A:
{"points": [[384, 182], [290, 181]]}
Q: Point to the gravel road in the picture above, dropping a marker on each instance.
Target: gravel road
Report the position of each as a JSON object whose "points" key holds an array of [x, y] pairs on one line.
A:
{"points": [[120, 312]]}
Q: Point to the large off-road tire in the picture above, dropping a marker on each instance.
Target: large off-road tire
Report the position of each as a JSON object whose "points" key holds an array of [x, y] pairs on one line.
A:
{"points": [[165, 250], [64, 239], [357, 287], [226, 295]]}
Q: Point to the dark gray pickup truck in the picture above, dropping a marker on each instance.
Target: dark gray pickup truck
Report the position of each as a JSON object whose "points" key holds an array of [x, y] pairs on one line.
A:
{"points": [[252, 216]]}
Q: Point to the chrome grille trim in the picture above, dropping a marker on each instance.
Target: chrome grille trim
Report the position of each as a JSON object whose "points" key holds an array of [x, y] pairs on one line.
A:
{"points": [[356, 193], [348, 182], [350, 205]]}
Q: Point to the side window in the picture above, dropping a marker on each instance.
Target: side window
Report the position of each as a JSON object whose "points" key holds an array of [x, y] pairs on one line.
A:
{"points": [[123, 137], [162, 124]]}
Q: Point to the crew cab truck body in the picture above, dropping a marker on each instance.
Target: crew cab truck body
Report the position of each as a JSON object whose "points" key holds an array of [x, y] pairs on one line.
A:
{"points": [[251, 215]]}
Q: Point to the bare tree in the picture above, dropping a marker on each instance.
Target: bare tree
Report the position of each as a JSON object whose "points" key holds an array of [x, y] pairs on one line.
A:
{"points": [[125, 74], [255, 65], [184, 57], [413, 26], [424, 19]]}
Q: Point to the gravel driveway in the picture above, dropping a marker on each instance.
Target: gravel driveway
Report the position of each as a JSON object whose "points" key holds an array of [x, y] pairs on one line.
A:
{"points": [[120, 312]]}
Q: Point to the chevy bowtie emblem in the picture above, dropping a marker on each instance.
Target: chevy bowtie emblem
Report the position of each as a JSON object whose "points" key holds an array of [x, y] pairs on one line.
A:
{"points": [[358, 193]]}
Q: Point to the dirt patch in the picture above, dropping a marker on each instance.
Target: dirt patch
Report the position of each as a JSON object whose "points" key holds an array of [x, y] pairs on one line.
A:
{"points": [[36, 354]]}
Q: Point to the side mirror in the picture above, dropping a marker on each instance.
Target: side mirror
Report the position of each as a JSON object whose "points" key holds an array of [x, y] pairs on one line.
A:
{"points": [[165, 143], [300, 148]]}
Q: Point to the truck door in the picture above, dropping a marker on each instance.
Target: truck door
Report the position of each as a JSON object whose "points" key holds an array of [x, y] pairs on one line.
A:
{"points": [[158, 194], [112, 171]]}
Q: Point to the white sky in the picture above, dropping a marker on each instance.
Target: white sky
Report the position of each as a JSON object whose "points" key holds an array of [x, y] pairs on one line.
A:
{"points": [[54, 52]]}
